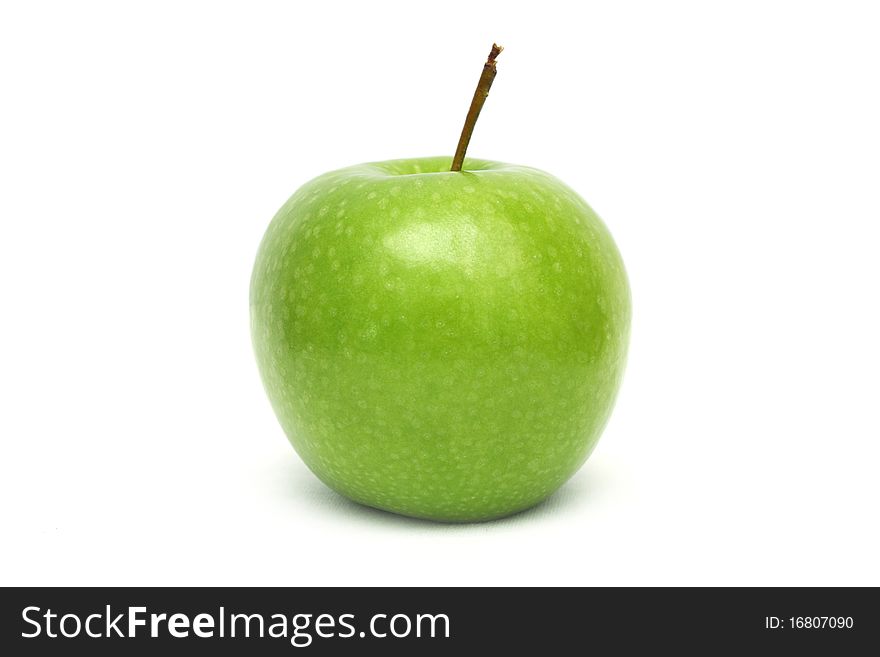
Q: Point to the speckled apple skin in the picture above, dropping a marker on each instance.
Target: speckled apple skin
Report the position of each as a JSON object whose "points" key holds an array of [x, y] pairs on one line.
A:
{"points": [[441, 345]]}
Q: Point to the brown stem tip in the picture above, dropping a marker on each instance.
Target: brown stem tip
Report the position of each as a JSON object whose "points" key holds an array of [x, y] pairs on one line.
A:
{"points": [[483, 86]]}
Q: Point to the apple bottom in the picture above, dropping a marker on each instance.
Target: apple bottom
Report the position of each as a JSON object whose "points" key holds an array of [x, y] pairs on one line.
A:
{"points": [[457, 444]]}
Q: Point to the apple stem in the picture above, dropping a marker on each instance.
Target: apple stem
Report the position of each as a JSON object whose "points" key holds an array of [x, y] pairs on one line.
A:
{"points": [[486, 79]]}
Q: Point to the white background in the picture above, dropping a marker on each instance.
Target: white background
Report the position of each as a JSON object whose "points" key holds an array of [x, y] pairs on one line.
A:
{"points": [[732, 148]]}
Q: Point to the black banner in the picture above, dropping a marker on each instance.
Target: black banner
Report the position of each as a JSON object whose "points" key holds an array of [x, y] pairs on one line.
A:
{"points": [[256, 621]]}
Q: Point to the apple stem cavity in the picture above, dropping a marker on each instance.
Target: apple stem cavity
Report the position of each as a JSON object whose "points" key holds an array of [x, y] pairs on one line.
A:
{"points": [[483, 86]]}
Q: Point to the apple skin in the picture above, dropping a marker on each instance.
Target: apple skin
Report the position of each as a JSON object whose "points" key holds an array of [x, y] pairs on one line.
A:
{"points": [[443, 345]]}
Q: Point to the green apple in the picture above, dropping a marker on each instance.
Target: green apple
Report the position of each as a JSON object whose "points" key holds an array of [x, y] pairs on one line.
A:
{"points": [[440, 344]]}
